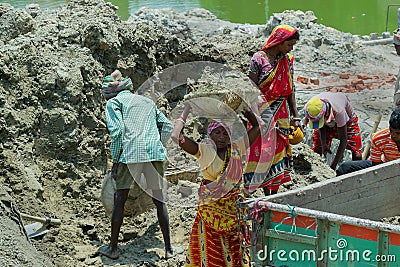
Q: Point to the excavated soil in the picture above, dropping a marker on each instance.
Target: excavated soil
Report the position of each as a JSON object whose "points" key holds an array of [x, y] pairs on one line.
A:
{"points": [[54, 142]]}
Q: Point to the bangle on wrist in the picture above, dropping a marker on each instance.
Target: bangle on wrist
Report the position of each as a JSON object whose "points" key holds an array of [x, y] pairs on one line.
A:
{"points": [[296, 119], [182, 120], [181, 117]]}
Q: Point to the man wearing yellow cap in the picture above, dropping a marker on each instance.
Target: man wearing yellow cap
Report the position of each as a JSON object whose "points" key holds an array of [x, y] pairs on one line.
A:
{"points": [[332, 116]]}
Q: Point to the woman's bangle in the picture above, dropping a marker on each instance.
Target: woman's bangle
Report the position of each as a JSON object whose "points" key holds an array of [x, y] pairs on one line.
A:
{"points": [[296, 119], [182, 120], [181, 117]]}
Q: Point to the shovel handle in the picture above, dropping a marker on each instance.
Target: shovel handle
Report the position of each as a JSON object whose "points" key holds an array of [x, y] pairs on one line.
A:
{"points": [[368, 144], [48, 220]]}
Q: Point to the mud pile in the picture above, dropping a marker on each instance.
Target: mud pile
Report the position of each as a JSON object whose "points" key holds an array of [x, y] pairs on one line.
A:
{"points": [[54, 142], [16, 249]]}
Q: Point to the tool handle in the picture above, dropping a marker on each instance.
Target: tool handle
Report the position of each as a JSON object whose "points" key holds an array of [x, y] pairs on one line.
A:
{"points": [[48, 220], [366, 150], [368, 145]]}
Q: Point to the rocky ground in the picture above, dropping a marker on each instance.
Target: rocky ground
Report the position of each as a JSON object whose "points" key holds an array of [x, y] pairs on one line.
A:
{"points": [[54, 143]]}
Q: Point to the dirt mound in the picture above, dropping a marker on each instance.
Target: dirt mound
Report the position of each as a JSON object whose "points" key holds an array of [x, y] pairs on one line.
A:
{"points": [[16, 249], [54, 143]]}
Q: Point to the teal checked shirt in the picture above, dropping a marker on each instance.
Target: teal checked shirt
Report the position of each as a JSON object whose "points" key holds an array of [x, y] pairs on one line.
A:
{"points": [[137, 128]]}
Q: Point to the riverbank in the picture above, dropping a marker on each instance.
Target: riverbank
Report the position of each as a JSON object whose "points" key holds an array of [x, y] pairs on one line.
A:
{"points": [[54, 143]]}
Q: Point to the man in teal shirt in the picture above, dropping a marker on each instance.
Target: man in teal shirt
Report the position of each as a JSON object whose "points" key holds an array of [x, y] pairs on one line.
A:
{"points": [[138, 131]]}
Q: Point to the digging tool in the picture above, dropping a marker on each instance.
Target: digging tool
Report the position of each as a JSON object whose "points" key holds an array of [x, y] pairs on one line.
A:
{"points": [[36, 229], [39, 227], [368, 144], [46, 220]]}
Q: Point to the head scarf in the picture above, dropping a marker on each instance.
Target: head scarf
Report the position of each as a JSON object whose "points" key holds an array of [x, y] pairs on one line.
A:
{"points": [[115, 83], [214, 125], [279, 34], [396, 37]]}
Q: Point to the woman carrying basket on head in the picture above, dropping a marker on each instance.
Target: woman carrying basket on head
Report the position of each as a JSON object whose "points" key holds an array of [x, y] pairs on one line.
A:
{"points": [[271, 69], [214, 240]]}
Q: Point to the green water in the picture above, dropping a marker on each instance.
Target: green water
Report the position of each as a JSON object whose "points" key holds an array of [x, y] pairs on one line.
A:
{"points": [[355, 16]]}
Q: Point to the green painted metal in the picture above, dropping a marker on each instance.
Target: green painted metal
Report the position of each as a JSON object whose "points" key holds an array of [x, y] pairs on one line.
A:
{"points": [[322, 240], [289, 229], [259, 239], [289, 246], [330, 244], [383, 247], [358, 252], [394, 258], [333, 236]]}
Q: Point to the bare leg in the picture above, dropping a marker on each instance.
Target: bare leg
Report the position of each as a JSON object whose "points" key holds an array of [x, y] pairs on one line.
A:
{"points": [[163, 220], [120, 197]]}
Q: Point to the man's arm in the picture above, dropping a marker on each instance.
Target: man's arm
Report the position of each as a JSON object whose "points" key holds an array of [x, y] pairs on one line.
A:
{"points": [[322, 137], [397, 47], [164, 126], [254, 132], [115, 127], [293, 109], [342, 136], [375, 153]]}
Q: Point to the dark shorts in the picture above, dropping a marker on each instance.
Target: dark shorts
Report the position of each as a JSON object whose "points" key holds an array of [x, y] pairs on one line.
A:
{"points": [[152, 178], [352, 166]]}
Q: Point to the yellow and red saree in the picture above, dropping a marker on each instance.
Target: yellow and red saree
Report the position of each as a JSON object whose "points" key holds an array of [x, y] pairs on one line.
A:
{"points": [[214, 240]]}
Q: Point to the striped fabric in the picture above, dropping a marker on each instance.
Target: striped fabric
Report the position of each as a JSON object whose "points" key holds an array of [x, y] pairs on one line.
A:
{"points": [[210, 248], [353, 138], [214, 240], [270, 158], [383, 148], [137, 128]]}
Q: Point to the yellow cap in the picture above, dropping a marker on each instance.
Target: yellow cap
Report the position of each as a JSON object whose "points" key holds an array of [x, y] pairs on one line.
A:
{"points": [[315, 111], [314, 106]]}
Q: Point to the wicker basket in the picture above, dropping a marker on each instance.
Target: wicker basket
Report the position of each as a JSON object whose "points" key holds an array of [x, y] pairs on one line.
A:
{"points": [[232, 100]]}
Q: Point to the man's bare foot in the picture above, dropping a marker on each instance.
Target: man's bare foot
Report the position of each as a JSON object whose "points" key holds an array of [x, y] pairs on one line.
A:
{"points": [[172, 251], [169, 253], [109, 253]]}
